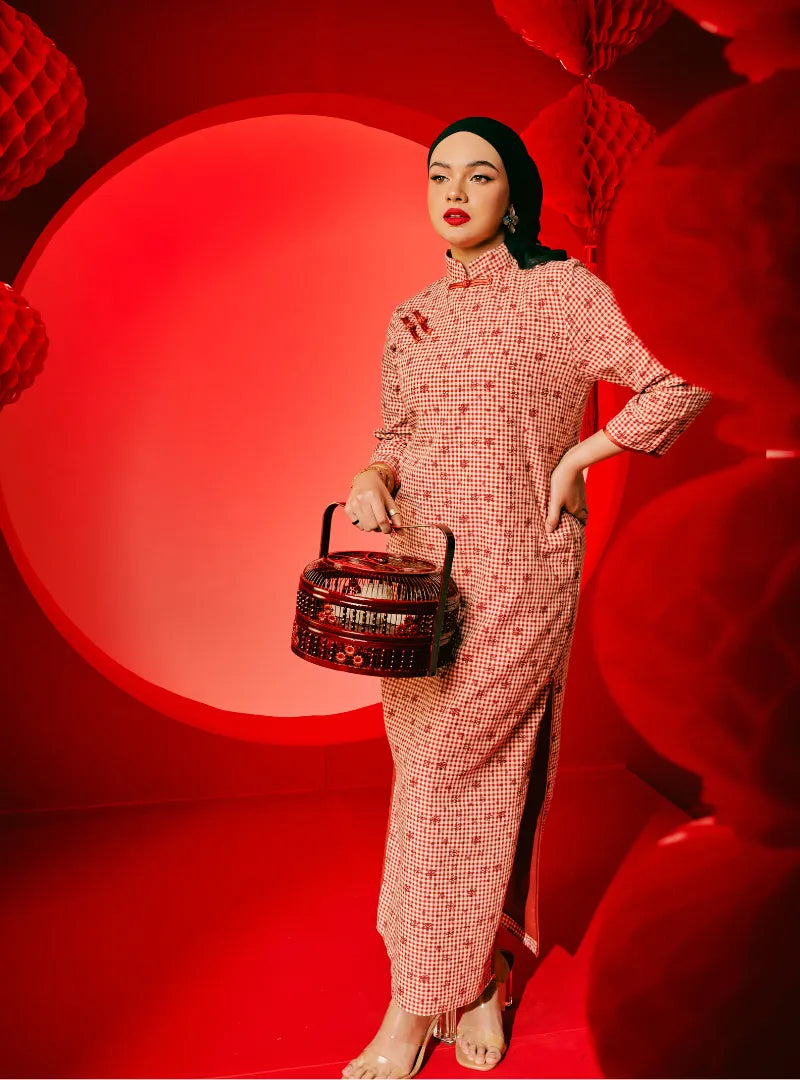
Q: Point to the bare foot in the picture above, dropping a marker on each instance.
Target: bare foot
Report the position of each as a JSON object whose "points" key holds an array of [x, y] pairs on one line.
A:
{"points": [[395, 1047], [480, 1028]]}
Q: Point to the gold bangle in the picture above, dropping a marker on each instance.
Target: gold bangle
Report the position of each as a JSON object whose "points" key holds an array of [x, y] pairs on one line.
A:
{"points": [[361, 472], [383, 471], [390, 473], [371, 468]]}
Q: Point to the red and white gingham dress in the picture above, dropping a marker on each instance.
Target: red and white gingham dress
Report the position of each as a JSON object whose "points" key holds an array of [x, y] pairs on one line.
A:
{"points": [[485, 376]]}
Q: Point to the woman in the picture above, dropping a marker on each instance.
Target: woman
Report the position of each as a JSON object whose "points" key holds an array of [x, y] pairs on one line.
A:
{"points": [[485, 377]]}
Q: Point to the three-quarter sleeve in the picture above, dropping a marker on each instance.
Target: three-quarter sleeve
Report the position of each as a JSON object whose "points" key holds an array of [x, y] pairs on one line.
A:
{"points": [[605, 347], [397, 420]]}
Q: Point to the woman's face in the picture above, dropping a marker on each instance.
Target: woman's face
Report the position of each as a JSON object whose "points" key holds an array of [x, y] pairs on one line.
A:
{"points": [[467, 175]]}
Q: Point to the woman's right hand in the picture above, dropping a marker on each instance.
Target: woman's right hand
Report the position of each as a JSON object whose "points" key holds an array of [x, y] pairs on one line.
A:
{"points": [[369, 503]]}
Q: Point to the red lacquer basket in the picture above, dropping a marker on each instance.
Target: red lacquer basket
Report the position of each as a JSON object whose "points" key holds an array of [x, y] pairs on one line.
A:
{"points": [[373, 613]]}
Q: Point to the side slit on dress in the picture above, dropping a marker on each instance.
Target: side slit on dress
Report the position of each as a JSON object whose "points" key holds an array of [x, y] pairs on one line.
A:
{"points": [[521, 903]]}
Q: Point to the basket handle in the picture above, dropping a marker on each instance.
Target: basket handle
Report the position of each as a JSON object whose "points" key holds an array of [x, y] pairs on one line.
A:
{"points": [[446, 568]]}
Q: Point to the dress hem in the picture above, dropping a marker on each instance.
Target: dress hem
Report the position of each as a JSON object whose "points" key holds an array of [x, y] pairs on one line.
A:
{"points": [[513, 927], [449, 1006]]}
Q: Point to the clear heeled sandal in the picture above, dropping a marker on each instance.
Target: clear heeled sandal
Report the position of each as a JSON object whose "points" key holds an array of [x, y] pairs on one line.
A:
{"points": [[442, 1027], [501, 983]]}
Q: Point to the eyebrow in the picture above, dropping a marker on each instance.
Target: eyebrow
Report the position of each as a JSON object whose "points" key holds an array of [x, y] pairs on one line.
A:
{"points": [[469, 165]]}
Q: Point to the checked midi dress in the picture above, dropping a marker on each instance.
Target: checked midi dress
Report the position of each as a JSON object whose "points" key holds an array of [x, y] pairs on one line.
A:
{"points": [[484, 380]]}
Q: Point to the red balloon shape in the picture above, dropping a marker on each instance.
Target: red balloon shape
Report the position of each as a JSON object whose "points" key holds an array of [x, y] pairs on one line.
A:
{"points": [[727, 17], [694, 970], [694, 626], [716, 198]]}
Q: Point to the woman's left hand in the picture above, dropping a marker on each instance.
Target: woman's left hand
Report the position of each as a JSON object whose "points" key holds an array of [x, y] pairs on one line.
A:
{"points": [[567, 490]]}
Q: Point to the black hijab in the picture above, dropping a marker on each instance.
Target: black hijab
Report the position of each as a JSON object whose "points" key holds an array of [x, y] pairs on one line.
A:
{"points": [[524, 182]]}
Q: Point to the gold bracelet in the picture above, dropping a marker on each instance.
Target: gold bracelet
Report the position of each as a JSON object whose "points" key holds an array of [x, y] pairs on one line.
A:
{"points": [[394, 480], [386, 478], [383, 473], [369, 468], [385, 470]]}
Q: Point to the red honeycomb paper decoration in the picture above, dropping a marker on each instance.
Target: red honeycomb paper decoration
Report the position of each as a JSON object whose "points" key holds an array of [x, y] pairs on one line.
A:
{"points": [[584, 145], [694, 627], [42, 102], [694, 969], [585, 36], [23, 344], [716, 197]]}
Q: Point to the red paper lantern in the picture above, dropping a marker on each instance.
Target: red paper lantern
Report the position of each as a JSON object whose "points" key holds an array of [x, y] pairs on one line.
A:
{"points": [[715, 200], [696, 962], [584, 145], [584, 35], [42, 102], [694, 626], [23, 344]]}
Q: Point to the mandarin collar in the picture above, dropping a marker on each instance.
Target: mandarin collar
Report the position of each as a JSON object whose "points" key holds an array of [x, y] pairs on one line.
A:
{"points": [[490, 262]]}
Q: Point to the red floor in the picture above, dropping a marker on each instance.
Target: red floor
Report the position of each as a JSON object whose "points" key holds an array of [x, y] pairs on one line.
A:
{"points": [[237, 938]]}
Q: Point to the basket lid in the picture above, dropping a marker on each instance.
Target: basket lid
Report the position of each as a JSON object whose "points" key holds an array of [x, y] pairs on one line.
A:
{"points": [[376, 564]]}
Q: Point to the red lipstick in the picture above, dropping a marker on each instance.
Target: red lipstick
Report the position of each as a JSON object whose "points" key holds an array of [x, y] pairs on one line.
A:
{"points": [[456, 217]]}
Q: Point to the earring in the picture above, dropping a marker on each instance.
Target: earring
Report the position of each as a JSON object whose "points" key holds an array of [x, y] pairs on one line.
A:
{"points": [[511, 220]]}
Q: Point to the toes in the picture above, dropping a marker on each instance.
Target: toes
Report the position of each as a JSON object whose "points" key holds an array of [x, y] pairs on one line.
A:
{"points": [[469, 1047], [489, 1056]]}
